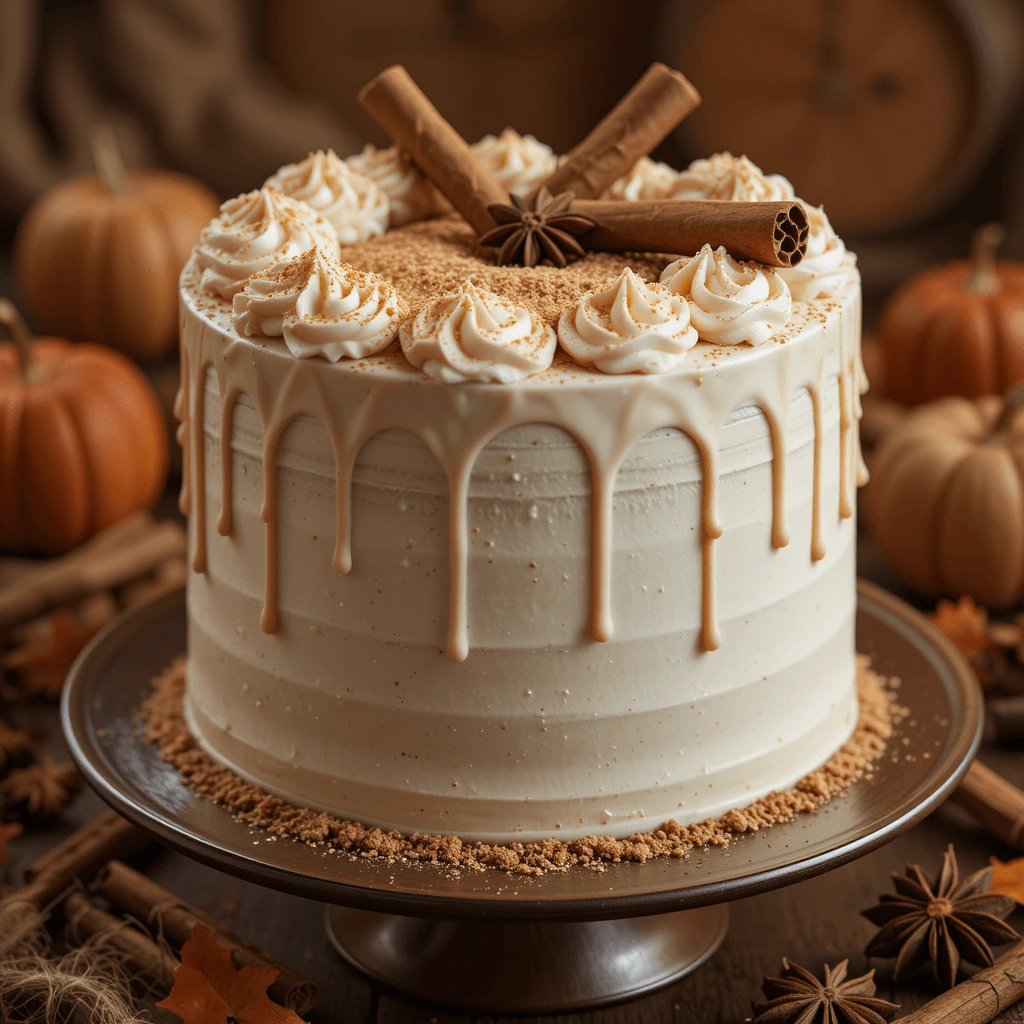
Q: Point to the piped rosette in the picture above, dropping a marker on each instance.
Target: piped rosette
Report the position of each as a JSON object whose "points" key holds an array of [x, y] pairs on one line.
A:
{"points": [[518, 162], [725, 177], [254, 232], [476, 336], [824, 270], [629, 327], [730, 301], [646, 179], [321, 307], [411, 196], [350, 202]]}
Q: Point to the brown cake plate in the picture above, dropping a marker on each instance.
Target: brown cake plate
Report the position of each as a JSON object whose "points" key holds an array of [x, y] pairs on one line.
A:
{"points": [[502, 942]]}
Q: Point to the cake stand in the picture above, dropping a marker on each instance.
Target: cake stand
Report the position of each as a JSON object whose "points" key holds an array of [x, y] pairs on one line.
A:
{"points": [[500, 942]]}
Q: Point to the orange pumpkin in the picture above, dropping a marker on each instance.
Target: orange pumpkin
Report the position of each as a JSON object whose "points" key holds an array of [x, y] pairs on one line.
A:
{"points": [[98, 257], [946, 498], [82, 439], [957, 329]]}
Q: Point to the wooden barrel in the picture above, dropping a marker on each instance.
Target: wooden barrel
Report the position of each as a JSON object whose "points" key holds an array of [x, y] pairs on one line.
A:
{"points": [[881, 110]]}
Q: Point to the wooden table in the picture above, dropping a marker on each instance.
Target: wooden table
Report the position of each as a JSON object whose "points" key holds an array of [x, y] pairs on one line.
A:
{"points": [[811, 923]]}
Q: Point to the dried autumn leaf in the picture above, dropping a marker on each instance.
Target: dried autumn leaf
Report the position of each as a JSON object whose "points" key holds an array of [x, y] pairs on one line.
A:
{"points": [[1008, 877], [209, 990], [965, 624], [42, 663], [8, 832]]}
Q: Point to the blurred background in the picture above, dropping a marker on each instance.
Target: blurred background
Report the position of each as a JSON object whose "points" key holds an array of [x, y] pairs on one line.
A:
{"points": [[901, 116]]}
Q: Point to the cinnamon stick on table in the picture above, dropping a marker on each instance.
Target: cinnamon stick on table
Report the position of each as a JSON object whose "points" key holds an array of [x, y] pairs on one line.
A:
{"points": [[994, 802], [978, 999], [106, 561], [140, 954], [635, 126], [398, 105], [773, 233], [156, 906]]}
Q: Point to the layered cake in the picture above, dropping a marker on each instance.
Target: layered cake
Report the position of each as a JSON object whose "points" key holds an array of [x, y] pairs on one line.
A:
{"points": [[501, 548]]}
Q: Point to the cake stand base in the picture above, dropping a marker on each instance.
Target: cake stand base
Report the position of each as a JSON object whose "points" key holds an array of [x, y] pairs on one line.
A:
{"points": [[524, 967]]}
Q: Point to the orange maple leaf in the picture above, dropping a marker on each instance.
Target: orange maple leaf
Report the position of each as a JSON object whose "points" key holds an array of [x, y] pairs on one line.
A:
{"points": [[965, 624], [1008, 877], [8, 832], [42, 665], [209, 990]]}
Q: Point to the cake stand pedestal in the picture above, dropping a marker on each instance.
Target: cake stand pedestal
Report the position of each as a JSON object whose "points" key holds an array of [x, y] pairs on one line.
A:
{"points": [[500, 942]]}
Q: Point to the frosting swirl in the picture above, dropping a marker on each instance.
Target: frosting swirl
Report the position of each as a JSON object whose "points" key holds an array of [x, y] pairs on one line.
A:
{"points": [[726, 177], [353, 204], [823, 271], [476, 336], [518, 162], [730, 301], [647, 179], [321, 306], [410, 194], [629, 327], [253, 232]]}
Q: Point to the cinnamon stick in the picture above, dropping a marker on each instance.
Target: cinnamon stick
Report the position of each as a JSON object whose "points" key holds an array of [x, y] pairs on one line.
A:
{"points": [[1007, 717], [81, 856], [139, 953], [774, 233], [993, 802], [978, 999], [109, 560], [398, 105], [635, 126], [156, 906]]}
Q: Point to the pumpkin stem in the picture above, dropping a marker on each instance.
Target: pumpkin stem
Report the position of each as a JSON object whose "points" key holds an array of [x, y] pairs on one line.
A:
{"points": [[1013, 402], [983, 278], [106, 155], [20, 335]]}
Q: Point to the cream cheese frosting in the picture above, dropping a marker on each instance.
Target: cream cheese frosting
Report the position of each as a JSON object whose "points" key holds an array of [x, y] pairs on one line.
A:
{"points": [[647, 179], [253, 232], [730, 301], [411, 196], [476, 336], [350, 202], [824, 270], [723, 176], [321, 307], [629, 327], [519, 162]]}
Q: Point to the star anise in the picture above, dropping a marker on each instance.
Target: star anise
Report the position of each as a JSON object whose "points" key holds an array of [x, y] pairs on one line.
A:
{"points": [[942, 921], [799, 998], [530, 232], [41, 790]]}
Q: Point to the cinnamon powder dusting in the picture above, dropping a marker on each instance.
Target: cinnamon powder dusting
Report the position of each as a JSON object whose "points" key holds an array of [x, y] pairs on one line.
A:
{"points": [[434, 258], [164, 725]]}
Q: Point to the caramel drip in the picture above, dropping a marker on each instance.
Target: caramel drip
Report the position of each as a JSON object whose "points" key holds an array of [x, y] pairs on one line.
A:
{"points": [[457, 422], [182, 402], [199, 471], [225, 521]]}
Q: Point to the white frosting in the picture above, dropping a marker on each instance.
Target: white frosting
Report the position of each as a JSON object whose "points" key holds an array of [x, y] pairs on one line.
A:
{"points": [[823, 271], [474, 335], [321, 306], [410, 194], [730, 301], [647, 179], [629, 327], [254, 232], [352, 203], [518, 162], [726, 177]]}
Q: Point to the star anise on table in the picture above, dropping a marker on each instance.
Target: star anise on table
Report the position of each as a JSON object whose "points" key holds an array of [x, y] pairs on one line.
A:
{"points": [[941, 921], [798, 997], [529, 232], [16, 747], [40, 791]]}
